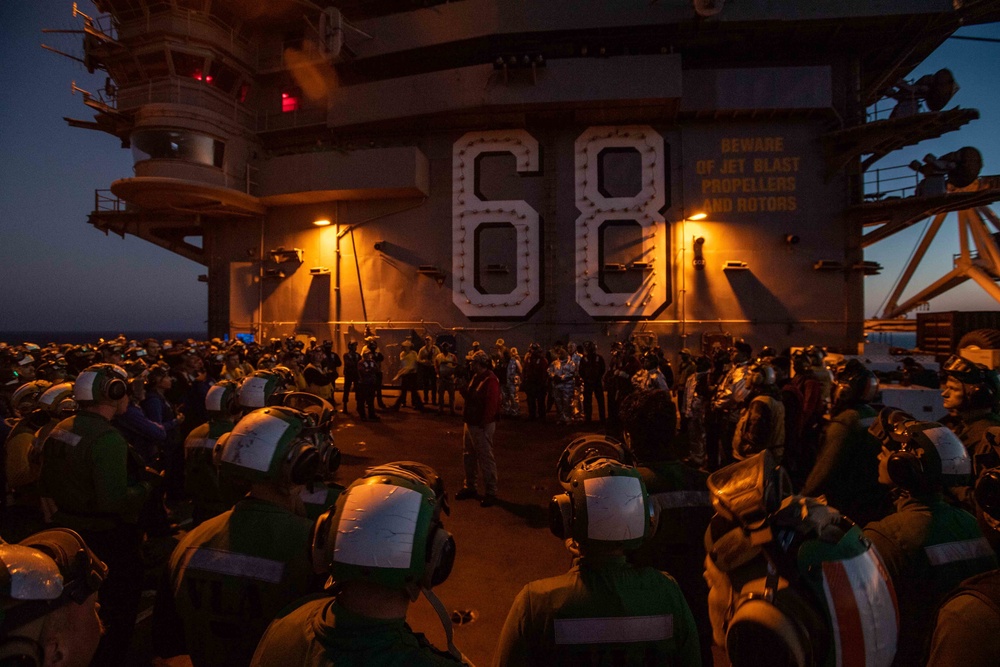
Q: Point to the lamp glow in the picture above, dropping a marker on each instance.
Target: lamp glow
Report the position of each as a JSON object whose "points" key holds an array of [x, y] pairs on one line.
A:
{"points": [[697, 216], [322, 222]]}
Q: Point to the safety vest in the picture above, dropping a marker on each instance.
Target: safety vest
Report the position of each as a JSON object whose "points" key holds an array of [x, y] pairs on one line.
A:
{"points": [[85, 472], [232, 574]]}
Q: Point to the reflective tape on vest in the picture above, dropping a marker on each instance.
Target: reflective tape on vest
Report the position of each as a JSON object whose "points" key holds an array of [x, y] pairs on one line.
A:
{"points": [[669, 500], [62, 435], [614, 630], [863, 610], [201, 443], [233, 564], [952, 552]]}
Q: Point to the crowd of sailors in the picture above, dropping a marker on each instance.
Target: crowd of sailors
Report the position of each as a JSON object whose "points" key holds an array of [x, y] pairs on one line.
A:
{"points": [[760, 501]]}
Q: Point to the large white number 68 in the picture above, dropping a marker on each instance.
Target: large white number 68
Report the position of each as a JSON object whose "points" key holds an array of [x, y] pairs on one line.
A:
{"points": [[644, 208], [469, 211]]}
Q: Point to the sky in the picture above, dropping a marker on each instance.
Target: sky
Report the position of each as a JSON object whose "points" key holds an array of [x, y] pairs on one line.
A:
{"points": [[61, 274]]}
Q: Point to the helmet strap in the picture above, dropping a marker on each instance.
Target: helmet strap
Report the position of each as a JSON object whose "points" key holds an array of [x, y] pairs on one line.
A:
{"points": [[449, 631]]}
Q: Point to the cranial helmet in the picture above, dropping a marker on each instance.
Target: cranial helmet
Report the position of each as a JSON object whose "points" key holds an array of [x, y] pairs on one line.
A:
{"points": [[53, 400], [981, 384], [926, 455], [25, 398], [222, 399], [760, 375], [43, 572], [605, 504], [854, 383], [100, 383], [269, 444], [386, 529], [257, 390]]}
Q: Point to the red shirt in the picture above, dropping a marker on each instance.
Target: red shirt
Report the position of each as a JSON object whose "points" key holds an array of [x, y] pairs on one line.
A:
{"points": [[482, 399]]}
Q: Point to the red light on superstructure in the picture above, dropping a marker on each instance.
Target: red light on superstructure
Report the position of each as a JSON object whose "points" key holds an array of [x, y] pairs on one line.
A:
{"points": [[289, 102]]}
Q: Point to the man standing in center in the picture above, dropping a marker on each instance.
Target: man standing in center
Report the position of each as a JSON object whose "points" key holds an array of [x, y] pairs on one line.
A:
{"points": [[482, 405]]}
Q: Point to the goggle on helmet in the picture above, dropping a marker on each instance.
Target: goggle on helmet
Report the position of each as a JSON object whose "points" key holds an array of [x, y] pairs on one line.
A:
{"points": [[606, 504], [984, 381], [268, 445], [386, 529], [590, 447], [43, 572]]}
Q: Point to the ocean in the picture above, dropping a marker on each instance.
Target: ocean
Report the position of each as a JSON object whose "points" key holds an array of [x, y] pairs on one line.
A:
{"points": [[80, 337]]}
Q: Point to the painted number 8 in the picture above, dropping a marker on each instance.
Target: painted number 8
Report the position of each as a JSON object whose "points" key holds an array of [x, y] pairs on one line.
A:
{"points": [[643, 208]]}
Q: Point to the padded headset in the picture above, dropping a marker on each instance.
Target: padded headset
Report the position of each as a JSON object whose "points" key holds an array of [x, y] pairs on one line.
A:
{"points": [[109, 382], [906, 468]]}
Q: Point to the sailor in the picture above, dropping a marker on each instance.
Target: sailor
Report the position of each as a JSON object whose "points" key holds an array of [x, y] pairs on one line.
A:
{"points": [[382, 546], [592, 370], [928, 546], [685, 369], [230, 576], [729, 396], [318, 379], [369, 372], [22, 514], [603, 610], [562, 381], [650, 377], [971, 394], [791, 582], [48, 600], [201, 474], [480, 413], [680, 497], [351, 361], [446, 368], [85, 472], [409, 377], [967, 629], [428, 377], [846, 470], [762, 420], [535, 380]]}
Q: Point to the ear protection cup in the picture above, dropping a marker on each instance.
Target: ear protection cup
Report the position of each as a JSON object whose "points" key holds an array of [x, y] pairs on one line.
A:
{"points": [[440, 557], [561, 516], [905, 469], [114, 388], [304, 463]]}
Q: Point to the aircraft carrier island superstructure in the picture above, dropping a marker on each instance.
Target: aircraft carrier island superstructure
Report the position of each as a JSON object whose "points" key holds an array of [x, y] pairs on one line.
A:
{"points": [[521, 169]]}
